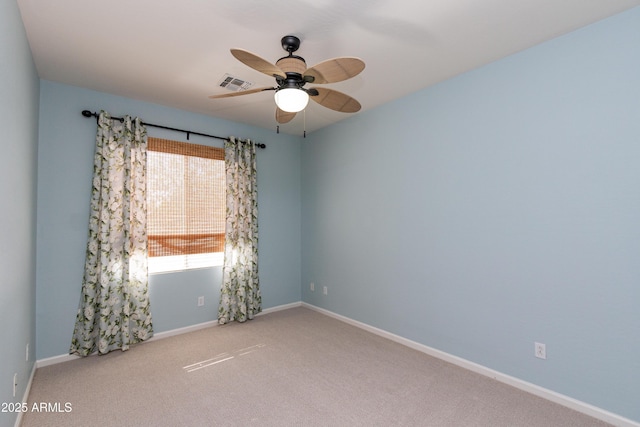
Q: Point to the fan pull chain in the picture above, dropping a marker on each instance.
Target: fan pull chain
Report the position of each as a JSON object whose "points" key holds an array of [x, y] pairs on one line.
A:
{"points": [[304, 118]]}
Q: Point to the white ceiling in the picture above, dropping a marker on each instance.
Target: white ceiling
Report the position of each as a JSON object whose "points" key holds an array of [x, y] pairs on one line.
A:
{"points": [[174, 52]]}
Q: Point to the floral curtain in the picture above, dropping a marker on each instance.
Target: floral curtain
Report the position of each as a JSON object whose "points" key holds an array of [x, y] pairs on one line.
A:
{"points": [[114, 308], [240, 297]]}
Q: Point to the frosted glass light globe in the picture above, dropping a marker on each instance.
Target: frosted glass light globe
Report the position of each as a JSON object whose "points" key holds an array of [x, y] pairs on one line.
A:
{"points": [[291, 100]]}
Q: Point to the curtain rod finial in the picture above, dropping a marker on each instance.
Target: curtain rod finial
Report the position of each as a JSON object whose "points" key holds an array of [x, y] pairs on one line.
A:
{"points": [[87, 113]]}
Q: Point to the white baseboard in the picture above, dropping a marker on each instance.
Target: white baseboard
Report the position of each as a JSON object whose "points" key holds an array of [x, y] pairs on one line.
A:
{"points": [[25, 397], [160, 335], [180, 331], [281, 307], [40, 363], [536, 390]]}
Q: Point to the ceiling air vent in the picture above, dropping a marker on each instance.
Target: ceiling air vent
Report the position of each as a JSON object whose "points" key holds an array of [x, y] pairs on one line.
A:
{"points": [[234, 84]]}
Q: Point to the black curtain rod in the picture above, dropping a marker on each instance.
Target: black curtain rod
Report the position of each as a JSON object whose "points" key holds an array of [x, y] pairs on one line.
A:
{"points": [[87, 113]]}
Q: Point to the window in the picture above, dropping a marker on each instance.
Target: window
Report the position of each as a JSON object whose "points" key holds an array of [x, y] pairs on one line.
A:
{"points": [[185, 205]]}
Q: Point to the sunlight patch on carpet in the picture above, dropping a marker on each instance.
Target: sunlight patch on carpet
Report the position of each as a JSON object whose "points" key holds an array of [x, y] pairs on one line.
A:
{"points": [[223, 357]]}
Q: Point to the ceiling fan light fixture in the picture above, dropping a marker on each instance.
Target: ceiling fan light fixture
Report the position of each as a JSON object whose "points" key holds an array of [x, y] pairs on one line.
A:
{"points": [[291, 100], [291, 74]]}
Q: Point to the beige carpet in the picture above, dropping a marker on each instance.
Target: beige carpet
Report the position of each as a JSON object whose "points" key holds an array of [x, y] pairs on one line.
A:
{"points": [[290, 368]]}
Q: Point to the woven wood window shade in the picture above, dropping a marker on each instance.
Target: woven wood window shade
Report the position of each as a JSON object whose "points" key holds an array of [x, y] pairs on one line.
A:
{"points": [[185, 198]]}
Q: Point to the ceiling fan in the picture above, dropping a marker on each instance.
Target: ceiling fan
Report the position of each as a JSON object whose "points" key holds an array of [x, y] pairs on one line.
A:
{"points": [[291, 74]]}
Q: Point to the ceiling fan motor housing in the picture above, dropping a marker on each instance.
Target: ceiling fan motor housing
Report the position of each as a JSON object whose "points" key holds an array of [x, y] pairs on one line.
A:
{"points": [[292, 64]]}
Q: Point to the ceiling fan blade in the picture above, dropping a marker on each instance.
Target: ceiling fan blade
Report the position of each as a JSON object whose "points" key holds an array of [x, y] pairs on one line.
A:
{"points": [[335, 70], [335, 100], [254, 61], [242, 92], [283, 116]]}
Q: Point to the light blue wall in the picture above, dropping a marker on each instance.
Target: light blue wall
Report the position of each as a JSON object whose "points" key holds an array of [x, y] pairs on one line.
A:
{"points": [[65, 162], [19, 87], [496, 209]]}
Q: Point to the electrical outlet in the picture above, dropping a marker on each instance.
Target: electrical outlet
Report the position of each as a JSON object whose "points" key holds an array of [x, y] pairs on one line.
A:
{"points": [[200, 301], [540, 350], [312, 286], [15, 384], [324, 290]]}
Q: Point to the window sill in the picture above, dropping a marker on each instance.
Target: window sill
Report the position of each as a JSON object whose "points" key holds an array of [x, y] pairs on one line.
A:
{"points": [[174, 264]]}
